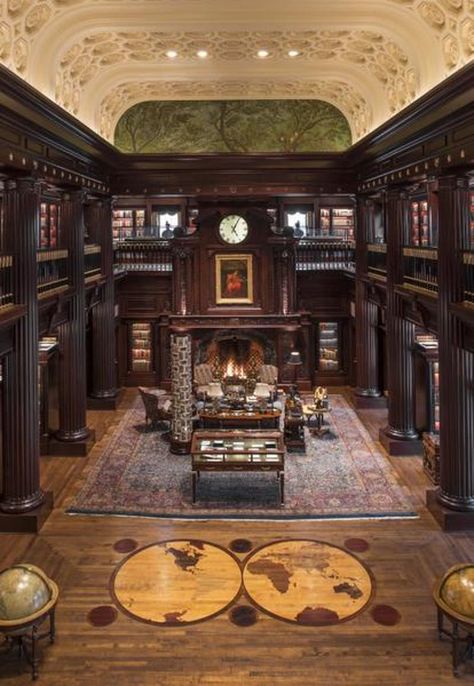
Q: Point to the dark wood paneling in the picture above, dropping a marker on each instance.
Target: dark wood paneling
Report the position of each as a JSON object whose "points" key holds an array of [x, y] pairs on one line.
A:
{"points": [[325, 294]]}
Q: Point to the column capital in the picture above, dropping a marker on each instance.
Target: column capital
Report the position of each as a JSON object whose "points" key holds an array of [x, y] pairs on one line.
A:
{"points": [[23, 184], [79, 195], [397, 193], [453, 182], [94, 201]]}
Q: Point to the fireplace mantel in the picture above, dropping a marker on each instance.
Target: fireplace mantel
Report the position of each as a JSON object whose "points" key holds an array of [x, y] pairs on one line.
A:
{"points": [[225, 321]]}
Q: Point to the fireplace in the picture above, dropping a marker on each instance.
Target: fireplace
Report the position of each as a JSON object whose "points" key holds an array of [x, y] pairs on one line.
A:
{"points": [[236, 355]]}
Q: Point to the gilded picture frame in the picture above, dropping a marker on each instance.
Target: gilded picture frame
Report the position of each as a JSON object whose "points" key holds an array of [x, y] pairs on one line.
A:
{"points": [[234, 280]]}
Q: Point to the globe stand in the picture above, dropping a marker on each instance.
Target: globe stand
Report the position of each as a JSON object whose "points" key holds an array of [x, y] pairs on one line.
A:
{"points": [[26, 640], [28, 598]]}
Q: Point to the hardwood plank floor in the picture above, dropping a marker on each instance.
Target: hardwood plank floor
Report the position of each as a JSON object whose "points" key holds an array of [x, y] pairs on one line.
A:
{"points": [[405, 557]]}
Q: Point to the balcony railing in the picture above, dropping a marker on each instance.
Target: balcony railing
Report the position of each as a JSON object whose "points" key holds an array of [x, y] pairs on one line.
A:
{"points": [[314, 254], [52, 272], [377, 260], [92, 262], [6, 295], [144, 256], [421, 269]]}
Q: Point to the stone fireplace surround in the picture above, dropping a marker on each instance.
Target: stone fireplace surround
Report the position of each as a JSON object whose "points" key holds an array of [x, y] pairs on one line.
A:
{"points": [[275, 336]]}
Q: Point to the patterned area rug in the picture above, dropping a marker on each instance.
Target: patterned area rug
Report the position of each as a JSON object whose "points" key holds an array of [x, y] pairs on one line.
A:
{"points": [[342, 475]]}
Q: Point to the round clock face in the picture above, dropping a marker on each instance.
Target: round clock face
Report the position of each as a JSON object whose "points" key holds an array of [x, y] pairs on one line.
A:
{"points": [[233, 229]]}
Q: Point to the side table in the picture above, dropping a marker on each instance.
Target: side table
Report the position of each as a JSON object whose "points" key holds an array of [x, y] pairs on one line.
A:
{"points": [[318, 413]]}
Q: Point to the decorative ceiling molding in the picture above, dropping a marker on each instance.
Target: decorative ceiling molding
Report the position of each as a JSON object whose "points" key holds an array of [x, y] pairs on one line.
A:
{"points": [[367, 51], [385, 52]]}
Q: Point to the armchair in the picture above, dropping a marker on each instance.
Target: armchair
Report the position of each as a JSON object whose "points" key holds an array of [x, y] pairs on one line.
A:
{"points": [[268, 373], [205, 383], [266, 381], [157, 407]]}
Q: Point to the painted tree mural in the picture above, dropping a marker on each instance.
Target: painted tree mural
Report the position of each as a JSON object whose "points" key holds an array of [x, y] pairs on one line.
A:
{"points": [[232, 126]]}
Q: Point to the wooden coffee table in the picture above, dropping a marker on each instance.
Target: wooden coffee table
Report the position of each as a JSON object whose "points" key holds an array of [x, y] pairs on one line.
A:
{"points": [[238, 451], [240, 419]]}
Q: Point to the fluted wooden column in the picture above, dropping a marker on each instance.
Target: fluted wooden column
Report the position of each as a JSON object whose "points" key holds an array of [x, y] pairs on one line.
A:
{"points": [[401, 380], [182, 278], [456, 365], [72, 335], [283, 258], [286, 280], [400, 436], [367, 392], [367, 351], [21, 478], [104, 373]]}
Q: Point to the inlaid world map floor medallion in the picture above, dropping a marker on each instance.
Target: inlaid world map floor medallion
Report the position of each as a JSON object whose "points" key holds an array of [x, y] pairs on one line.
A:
{"points": [[307, 582], [177, 582]]}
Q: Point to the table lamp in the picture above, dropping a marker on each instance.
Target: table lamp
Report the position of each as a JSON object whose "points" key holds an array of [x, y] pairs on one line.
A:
{"points": [[295, 360]]}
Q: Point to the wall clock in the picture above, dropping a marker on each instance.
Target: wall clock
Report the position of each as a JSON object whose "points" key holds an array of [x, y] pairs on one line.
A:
{"points": [[233, 229]]}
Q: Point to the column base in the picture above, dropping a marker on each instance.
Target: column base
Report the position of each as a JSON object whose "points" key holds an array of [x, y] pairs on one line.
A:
{"points": [[180, 447], [27, 522], [106, 403], [399, 447], [449, 520], [79, 448], [368, 402]]}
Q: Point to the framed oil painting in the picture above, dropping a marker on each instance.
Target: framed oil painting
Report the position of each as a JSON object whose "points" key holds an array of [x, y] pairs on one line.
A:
{"points": [[234, 280]]}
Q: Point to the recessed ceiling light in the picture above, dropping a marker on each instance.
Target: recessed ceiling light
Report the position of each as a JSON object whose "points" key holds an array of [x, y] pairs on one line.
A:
{"points": [[293, 53], [171, 54], [263, 53], [202, 54]]}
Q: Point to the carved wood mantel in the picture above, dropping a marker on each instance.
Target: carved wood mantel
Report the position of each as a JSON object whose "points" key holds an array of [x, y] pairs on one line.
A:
{"points": [[184, 323]]}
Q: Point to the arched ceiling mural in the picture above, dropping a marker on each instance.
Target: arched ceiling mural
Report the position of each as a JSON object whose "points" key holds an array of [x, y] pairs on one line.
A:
{"points": [[196, 126], [370, 58]]}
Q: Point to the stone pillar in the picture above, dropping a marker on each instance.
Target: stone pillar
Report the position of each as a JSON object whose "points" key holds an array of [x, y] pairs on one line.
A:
{"points": [[400, 436], [21, 492], [453, 503], [73, 437], [181, 392], [104, 393]]}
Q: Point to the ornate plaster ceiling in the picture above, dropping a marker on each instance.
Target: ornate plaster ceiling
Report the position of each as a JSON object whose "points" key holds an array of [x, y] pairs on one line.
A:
{"points": [[370, 58]]}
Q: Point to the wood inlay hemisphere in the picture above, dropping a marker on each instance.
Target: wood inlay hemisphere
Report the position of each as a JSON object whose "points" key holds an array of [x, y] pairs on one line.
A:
{"points": [[177, 582], [307, 582]]}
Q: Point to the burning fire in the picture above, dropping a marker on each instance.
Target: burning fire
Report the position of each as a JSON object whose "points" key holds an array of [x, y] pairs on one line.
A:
{"points": [[234, 369]]}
